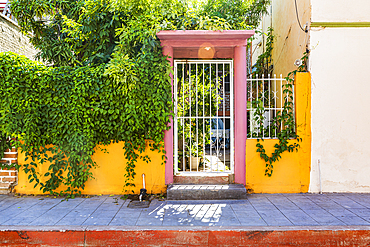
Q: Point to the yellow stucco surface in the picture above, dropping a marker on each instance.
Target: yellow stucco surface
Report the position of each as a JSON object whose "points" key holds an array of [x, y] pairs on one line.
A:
{"points": [[291, 173], [109, 174]]}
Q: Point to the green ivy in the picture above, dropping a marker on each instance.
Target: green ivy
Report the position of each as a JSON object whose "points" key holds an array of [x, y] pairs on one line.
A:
{"points": [[284, 121], [105, 79], [264, 65], [60, 115], [284, 124]]}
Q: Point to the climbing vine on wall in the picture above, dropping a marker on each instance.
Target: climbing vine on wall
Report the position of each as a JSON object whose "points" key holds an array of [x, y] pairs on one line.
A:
{"points": [[62, 113], [264, 65], [105, 80], [283, 124]]}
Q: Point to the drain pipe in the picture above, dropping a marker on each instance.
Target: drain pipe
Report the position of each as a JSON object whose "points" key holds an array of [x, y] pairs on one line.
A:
{"points": [[319, 165], [143, 190]]}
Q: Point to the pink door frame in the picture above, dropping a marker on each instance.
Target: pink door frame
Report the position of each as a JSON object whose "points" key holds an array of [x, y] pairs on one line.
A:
{"points": [[224, 44]]}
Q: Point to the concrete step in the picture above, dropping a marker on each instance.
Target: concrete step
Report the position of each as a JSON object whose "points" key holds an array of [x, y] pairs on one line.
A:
{"points": [[206, 192], [197, 180], [4, 191]]}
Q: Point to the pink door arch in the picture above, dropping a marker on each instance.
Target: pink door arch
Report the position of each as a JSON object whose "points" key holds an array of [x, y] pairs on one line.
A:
{"points": [[206, 45]]}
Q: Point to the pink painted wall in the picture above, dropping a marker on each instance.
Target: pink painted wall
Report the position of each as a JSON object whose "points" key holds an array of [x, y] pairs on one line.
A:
{"points": [[226, 44]]}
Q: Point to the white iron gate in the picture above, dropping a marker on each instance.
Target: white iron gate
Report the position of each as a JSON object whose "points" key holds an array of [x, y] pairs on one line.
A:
{"points": [[269, 95], [204, 113]]}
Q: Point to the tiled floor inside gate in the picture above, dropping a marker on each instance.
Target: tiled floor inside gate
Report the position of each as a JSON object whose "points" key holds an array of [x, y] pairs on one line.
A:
{"points": [[257, 210]]}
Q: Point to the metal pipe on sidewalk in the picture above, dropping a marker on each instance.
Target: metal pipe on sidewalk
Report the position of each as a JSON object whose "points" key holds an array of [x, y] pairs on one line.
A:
{"points": [[143, 190]]}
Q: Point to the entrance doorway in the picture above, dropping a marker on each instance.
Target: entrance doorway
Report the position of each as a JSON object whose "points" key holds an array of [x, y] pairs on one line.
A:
{"points": [[204, 117]]}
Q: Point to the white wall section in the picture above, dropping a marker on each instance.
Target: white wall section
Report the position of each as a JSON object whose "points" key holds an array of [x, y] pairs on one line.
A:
{"points": [[340, 109], [340, 10]]}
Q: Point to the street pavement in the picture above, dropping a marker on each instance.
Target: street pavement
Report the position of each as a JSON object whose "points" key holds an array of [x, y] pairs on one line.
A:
{"points": [[331, 209]]}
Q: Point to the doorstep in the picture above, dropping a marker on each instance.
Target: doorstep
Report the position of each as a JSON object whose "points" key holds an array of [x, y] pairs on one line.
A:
{"points": [[197, 178], [206, 192]]}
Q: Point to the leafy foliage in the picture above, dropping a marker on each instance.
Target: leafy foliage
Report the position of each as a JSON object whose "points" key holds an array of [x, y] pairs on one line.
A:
{"points": [[284, 122], [264, 65], [106, 79], [256, 10], [62, 113], [81, 32]]}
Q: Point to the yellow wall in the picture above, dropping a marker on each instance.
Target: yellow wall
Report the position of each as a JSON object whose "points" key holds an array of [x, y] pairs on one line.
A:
{"points": [[109, 175], [292, 173]]}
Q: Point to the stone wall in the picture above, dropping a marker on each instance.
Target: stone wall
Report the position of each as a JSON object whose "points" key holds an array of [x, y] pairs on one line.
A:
{"points": [[8, 177], [11, 39]]}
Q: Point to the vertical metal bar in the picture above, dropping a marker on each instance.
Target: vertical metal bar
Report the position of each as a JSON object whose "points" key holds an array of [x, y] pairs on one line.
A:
{"points": [[183, 118], [190, 140], [210, 113], [281, 99], [204, 131], [269, 108], [263, 105], [196, 110], [293, 96], [217, 97], [286, 96], [224, 113], [275, 98], [257, 98], [251, 105], [176, 162]]}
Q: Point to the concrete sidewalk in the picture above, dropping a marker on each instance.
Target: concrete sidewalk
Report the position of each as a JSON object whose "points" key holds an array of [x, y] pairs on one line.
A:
{"points": [[256, 211], [260, 220]]}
